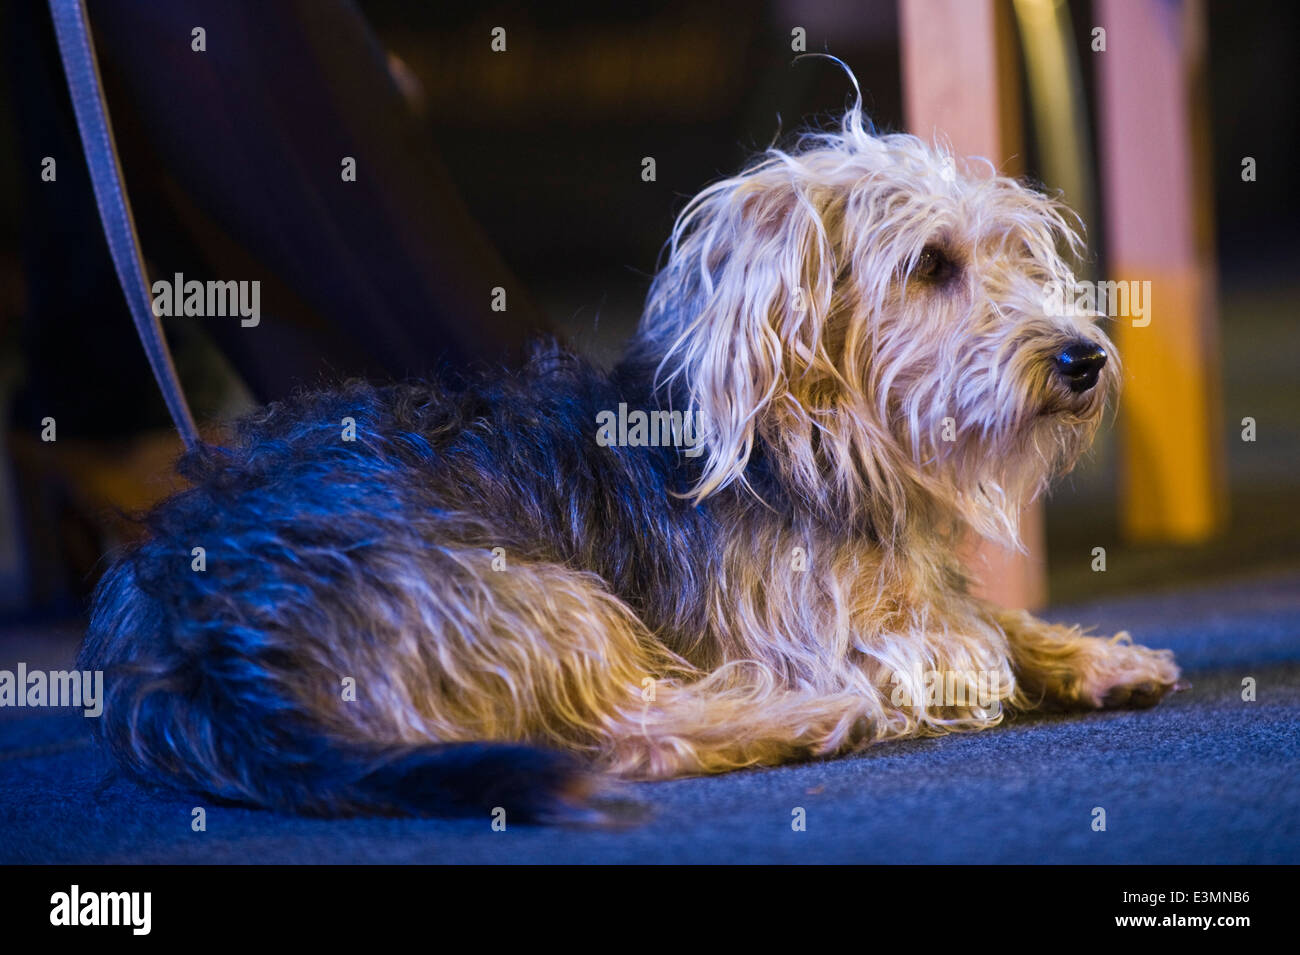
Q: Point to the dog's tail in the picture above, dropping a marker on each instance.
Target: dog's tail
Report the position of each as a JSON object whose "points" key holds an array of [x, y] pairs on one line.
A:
{"points": [[226, 725]]}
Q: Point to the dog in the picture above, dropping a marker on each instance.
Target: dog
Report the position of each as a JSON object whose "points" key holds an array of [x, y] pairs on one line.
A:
{"points": [[432, 598]]}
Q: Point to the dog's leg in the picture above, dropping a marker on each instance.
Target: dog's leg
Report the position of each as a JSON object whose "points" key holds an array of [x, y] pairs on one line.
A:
{"points": [[1060, 666], [738, 716], [539, 653]]}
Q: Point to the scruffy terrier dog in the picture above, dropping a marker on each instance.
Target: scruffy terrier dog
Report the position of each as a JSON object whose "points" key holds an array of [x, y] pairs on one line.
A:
{"points": [[475, 603]]}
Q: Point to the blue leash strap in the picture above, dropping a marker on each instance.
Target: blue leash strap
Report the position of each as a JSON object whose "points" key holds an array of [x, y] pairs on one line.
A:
{"points": [[78, 54]]}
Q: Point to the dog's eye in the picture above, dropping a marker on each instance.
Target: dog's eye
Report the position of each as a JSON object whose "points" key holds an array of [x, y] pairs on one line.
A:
{"points": [[933, 265]]}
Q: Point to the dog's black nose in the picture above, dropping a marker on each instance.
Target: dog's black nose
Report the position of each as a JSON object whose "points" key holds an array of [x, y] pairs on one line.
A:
{"points": [[1080, 364]]}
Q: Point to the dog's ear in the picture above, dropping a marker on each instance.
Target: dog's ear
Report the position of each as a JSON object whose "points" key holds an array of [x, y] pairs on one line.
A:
{"points": [[738, 313]]}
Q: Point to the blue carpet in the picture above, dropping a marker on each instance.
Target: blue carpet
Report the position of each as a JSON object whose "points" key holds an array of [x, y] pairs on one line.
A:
{"points": [[1203, 778]]}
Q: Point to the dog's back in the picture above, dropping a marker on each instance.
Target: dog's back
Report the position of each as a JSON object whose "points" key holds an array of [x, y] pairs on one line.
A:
{"points": [[267, 638]]}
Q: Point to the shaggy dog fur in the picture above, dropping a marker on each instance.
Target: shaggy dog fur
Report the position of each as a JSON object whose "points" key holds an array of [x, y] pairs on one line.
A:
{"points": [[427, 599]]}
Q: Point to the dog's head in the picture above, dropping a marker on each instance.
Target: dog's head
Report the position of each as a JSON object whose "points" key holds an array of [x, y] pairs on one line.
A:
{"points": [[878, 319]]}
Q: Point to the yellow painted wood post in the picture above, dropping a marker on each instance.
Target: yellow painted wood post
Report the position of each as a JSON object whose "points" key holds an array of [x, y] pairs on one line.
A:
{"points": [[1153, 134], [960, 81]]}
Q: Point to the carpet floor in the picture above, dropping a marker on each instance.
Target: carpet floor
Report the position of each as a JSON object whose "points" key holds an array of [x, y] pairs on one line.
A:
{"points": [[1206, 777]]}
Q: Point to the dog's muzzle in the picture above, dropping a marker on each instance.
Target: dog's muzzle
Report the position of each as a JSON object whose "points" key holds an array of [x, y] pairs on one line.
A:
{"points": [[1080, 364]]}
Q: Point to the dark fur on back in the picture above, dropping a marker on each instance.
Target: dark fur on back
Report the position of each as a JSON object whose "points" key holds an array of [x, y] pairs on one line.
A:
{"points": [[199, 685]]}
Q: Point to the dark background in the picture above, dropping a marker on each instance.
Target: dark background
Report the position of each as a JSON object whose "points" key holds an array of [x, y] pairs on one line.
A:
{"points": [[543, 146]]}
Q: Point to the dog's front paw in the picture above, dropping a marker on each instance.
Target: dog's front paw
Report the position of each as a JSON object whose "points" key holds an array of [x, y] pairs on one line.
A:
{"points": [[1118, 673]]}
